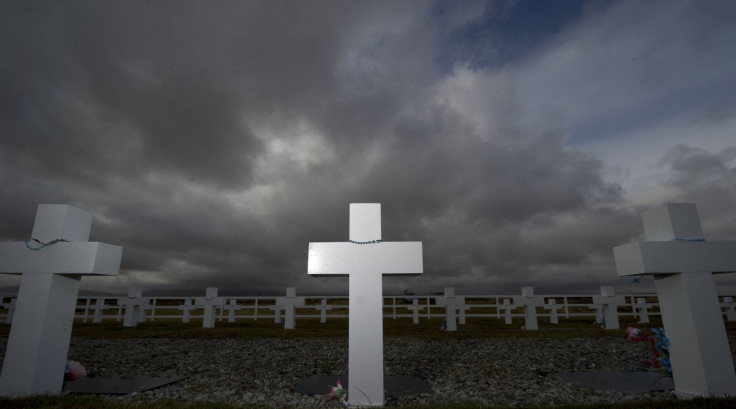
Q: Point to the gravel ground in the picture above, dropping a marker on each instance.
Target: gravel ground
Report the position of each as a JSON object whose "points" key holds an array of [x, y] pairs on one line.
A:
{"points": [[489, 371]]}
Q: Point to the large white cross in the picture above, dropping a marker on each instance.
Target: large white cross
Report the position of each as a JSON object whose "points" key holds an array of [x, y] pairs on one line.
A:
{"points": [[365, 265], [39, 336], [682, 262]]}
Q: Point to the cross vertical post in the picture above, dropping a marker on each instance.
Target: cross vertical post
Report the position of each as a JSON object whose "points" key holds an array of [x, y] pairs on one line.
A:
{"points": [[365, 258], [682, 263]]}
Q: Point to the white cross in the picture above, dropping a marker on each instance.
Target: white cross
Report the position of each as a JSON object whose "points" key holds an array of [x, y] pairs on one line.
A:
{"points": [[276, 313], [553, 307], [642, 309], [365, 265], [98, 308], [135, 307], [210, 302], [609, 302], [39, 337], [231, 308], [287, 304], [530, 304], [186, 310], [681, 261], [415, 308], [323, 308], [452, 304], [506, 307]]}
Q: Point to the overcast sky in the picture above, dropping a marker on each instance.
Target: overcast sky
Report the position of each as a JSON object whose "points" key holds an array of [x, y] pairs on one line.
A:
{"points": [[519, 141]]}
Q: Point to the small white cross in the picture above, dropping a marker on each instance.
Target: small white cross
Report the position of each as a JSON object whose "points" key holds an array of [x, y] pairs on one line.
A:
{"points": [[506, 307], [609, 302], [553, 307], [287, 304], [135, 307], [209, 302], [530, 304], [452, 304], [642, 309], [231, 308], [323, 308], [415, 308], [365, 265], [98, 308], [186, 310]]}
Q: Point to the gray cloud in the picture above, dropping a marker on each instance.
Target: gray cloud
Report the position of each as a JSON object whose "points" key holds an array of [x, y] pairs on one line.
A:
{"points": [[215, 141]]}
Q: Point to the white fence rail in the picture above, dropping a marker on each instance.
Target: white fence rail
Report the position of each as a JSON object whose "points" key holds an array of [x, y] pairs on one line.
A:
{"points": [[394, 307]]}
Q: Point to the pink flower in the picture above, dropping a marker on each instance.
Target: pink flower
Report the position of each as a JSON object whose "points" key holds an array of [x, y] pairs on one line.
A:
{"points": [[337, 392], [74, 371], [632, 332]]}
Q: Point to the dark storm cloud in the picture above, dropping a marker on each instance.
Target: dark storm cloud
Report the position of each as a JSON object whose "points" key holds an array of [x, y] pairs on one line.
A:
{"points": [[214, 141], [709, 180]]}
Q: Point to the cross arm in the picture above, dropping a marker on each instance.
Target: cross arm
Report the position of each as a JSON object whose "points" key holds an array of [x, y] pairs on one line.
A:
{"points": [[386, 258], [74, 258], [520, 300], [667, 257]]}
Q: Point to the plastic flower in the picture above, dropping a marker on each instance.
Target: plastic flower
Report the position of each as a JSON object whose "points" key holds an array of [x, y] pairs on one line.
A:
{"points": [[337, 392], [659, 345], [74, 370]]}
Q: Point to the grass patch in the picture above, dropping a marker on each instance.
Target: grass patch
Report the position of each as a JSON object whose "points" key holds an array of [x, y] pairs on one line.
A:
{"points": [[311, 327]]}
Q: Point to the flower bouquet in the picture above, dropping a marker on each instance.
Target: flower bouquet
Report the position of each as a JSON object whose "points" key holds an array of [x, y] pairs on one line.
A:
{"points": [[658, 344]]}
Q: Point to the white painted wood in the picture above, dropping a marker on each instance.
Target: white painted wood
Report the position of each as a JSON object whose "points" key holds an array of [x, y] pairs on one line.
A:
{"points": [[232, 307], [529, 302], [323, 308], [365, 264], [553, 308], [506, 307], [682, 263], [452, 304], [39, 336], [134, 304], [186, 310], [642, 310], [210, 302], [98, 307], [609, 302], [415, 308], [287, 304]]}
